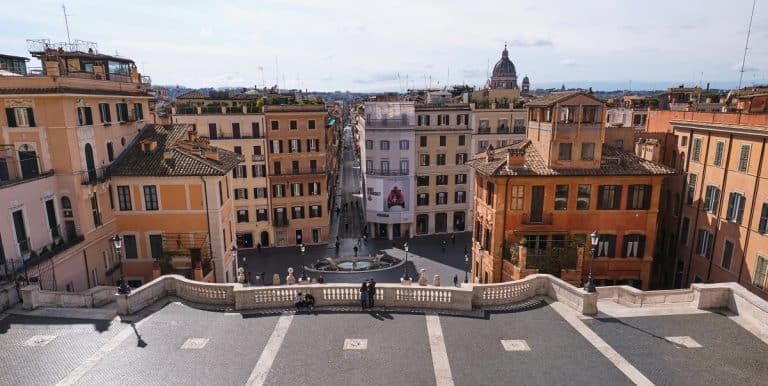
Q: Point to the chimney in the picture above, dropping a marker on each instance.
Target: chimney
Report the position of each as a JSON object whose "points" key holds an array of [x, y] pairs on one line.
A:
{"points": [[191, 135], [489, 154], [52, 68], [167, 154], [516, 158]]}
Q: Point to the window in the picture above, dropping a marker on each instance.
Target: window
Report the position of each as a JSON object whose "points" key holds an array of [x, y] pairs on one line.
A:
{"points": [[297, 189], [242, 215], [589, 114], [403, 166], [608, 197], [441, 222], [567, 114], [104, 113], [212, 132], [261, 215], [639, 197], [711, 199], [719, 147], [442, 179], [461, 179], [459, 197], [260, 192], [384, 145], [762, 226], [744, 158], [442, 198], [20, 116], [314, 188], [235, 130], [277, 146], [735, 207], [485, 126], [156, 246], [462, 140], [124, 197], [422, 199], [422, 224], [422, 180], [241, 194], [293, 124], [298, 212], [368, 164], [238, 150], [704, 243], [315, 211], [761, 266], [461, 158], [295, 167], [294, 146], [696, 152], [110, 152], [441, 159], [311, 124], [561, 197], [424, 160], [517, 193], [255, 130], [369, 144], [138, 112], [150, 197], [95, 211], [588, 151], [122, 112], [278, 190], [684, 231], [634, 246], [258, 171], [275, 125], [482, 145], [490, 193], [727, 254], [404, 144], [384, 167], [84, 116], [583, 197], [606, 246], [564, 152], [691, 190], [423, 141], [442, 140], [130, 247], [239, 172]]}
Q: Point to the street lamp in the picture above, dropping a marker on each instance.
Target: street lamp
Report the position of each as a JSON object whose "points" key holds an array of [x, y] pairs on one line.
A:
{"points": [[234, 257], [466, 267], [123, 288], [405, 266], [594, 238], [302, 248]]}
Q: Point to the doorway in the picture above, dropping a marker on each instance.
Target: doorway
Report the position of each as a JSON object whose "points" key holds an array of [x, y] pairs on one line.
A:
{"points": [[537, 203], [298, 237], [28, 161], [245, 240], [395, 230], [264, 239]]}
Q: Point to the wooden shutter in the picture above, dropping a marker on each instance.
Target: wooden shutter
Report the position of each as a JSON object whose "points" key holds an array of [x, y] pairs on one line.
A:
{"points": [[740, 208], [11, 115], [31, 117], [731, 198]]}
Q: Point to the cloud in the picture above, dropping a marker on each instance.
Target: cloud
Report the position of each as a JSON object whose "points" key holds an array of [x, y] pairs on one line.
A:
{"points": [[377, 78], [570, 62], [530, 43], [205, 32]]}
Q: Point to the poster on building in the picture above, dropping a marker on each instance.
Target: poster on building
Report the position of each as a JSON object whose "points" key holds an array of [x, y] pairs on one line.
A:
{"points": [[373, 188], [388, 195]]}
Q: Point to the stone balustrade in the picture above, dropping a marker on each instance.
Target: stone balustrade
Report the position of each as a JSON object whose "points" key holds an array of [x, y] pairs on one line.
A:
{"points": [[98, 296], [9, 296]]}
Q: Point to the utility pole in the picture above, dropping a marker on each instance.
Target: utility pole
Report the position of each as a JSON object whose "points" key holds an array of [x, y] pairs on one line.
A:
{"points": [[746, 45], [66, 24]]}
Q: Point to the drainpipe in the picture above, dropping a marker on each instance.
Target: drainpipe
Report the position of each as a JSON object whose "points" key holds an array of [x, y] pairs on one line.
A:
{"points": [[208, 222], [752, 212], [87, 272]]}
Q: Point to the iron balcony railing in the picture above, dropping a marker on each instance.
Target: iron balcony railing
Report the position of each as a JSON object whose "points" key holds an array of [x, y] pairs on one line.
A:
{"points": [[257, 158], [502, 130], [484, 130], [280, 221], [24, 246], [93, 176], [537, 218], [320, 170], [16, 180], [386, 172]]}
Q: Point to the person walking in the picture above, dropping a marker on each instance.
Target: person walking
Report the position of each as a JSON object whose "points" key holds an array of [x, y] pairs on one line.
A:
{"points": [[444, 246], [364, 294], [455, 280], [453, 238], [371, 292], [355, 249]]}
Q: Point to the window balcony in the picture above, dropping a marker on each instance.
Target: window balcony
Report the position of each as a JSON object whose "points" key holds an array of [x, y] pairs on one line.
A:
{"points": [[93, 176], [386, 172], [257, 158], [280, 221]]}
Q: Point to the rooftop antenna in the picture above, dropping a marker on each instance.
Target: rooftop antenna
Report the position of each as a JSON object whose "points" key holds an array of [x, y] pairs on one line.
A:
{"points": [[66, 23], [277, 74], [746, 44]]}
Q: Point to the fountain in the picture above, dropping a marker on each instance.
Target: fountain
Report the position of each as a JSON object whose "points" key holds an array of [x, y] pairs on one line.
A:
{"points": [[378, 262]]}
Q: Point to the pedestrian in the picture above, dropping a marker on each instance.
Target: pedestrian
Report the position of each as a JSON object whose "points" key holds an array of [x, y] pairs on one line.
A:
{"points": [[298, 301], [455, 280], [337, 245], [355, 249], [465, 249], [258, 247], [364, 294], [453, 238], [444, 246], [359, 239], [371, 292], [365, 238]]}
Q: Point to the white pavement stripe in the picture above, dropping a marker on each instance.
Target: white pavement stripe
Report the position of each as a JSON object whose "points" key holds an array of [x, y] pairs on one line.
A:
{"points": [[612, 355], [443, 376], [89, 363], [261, 370]]}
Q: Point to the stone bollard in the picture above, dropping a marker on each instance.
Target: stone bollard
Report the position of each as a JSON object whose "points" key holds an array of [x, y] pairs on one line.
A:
{"points": [[423, 277], [241, 275], [276, 279], [436, 281], [290, 280]]}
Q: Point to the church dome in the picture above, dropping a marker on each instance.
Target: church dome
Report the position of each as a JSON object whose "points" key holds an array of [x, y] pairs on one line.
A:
{"points": [[504, 67]]}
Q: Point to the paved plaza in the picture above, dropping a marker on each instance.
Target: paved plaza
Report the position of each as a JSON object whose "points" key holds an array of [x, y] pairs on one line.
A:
{"points": [[537, 342]]}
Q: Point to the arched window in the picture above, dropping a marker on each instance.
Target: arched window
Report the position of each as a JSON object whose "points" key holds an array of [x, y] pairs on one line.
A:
{"points": [[66, 203], [90, 164]]}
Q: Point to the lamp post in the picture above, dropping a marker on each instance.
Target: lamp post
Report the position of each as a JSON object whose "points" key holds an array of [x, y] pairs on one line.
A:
{"points": [[303, 249], [234, 257], [594, 238], [405, 266], [466, 267], [123, 288]]}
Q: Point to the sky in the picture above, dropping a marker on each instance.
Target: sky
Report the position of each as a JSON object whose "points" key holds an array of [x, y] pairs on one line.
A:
{"points": [[397, 44]]}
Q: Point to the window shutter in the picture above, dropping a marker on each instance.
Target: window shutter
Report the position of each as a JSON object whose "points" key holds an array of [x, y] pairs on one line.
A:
{"points": [[101, 113], [640, 246], [617, 199], [31, 117], [708, 199], [10, 114], [88, 116], [740, 209], [715, 198], [729, 215]]}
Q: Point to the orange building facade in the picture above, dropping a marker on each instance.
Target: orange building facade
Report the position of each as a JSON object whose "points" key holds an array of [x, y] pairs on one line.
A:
{"points": [[536, 201]]}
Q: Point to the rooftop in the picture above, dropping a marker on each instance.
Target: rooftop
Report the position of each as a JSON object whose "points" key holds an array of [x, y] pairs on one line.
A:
{"points": [[615, 162], [555, 97], [173, 152]]}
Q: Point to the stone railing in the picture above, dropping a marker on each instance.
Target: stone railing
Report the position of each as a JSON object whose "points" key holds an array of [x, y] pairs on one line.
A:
{"points": [[465, 298], [98, 296]]}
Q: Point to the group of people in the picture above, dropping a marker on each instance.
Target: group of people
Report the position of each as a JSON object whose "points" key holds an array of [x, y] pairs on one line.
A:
{"points": [[368, 293], [304, 301]]}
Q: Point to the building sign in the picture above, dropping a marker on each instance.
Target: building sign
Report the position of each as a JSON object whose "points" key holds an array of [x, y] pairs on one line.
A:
{"points": [[388, 195]]}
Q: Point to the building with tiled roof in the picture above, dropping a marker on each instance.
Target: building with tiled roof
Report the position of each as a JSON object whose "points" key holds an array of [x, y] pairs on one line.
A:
{"points": [[538, 200]]}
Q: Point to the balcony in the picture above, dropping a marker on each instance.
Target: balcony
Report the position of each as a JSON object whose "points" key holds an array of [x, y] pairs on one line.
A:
{"points": [[502, 130], [235, 110], [383, 123], [186, 110], [280, 221], [305, 171], [211, 110], [386, 172], [17, 180], [93, 176], [24, 246], [257, 158], [537, 218]]}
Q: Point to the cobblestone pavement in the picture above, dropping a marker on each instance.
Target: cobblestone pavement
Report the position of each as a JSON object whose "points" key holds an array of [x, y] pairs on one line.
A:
{"points": [[533, 343]]}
